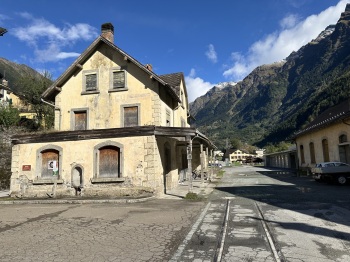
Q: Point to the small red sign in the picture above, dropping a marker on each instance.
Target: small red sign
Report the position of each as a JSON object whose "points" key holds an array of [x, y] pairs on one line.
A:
{"points": [[26, 167]]}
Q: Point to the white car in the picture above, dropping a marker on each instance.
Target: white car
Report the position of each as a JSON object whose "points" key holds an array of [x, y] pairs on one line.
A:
{"points": [[332, 172], [330, 164]]}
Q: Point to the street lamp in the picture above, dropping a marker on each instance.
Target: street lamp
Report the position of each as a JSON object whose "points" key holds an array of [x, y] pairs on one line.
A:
{"points": [[2, 31]]}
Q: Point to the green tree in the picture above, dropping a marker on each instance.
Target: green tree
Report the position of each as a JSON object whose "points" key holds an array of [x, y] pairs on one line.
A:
{"points": [[8, 117], [236, 143], [32, 87]]}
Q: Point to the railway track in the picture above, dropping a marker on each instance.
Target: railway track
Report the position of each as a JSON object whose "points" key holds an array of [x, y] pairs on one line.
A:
{"points": [[230, 230]]}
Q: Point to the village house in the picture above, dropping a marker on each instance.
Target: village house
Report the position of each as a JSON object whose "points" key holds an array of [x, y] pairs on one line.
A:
{"points": [[325, 138], [120, 129], [9, 98], [282, 159]]}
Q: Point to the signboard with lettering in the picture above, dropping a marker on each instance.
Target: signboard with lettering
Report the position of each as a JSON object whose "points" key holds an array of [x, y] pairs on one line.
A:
{"points": [[26, 167]]}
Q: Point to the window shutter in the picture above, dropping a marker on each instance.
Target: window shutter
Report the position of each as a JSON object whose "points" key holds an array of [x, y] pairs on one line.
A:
{"points": [[118, 79], [131, 116], [91, 82]]}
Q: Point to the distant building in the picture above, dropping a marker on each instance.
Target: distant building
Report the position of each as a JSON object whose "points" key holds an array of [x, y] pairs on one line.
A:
{"points": [[326, 138], [9, 98], [283, 159]]}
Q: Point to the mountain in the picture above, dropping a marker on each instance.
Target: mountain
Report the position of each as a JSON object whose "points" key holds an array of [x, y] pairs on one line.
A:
{"points": [[276, 100], [12, 72]]}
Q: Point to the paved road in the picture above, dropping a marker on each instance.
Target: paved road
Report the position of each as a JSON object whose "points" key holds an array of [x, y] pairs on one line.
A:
{"points": [[259, 215], [148, 231], [254, 214]]}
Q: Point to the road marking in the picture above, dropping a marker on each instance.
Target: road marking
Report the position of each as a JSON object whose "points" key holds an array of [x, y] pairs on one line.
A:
{"points": [[181, 248]]}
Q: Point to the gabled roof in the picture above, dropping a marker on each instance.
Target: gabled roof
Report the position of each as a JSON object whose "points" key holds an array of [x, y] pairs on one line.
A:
{"points": [[335, 114], [55, 88], [174, 80]]}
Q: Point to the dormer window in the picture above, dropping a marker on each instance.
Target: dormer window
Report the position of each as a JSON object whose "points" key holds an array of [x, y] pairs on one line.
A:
{"points": [[117, 80], [90, 82]]}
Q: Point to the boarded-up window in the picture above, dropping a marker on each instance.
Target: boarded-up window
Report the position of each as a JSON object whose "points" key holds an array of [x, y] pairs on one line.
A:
{"points": [[312, 153], [49, 164], [91, 82], [118, 79], [109, 161], [325, 150], [80, 120], [131, 117]]}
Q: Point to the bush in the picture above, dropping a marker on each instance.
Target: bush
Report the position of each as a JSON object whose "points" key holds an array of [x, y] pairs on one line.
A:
{"points": [[192, 196]]}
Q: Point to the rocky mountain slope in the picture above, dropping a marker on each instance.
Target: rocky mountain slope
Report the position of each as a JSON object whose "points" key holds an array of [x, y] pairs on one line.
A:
{"points": [[276, 100], [12, 72]]}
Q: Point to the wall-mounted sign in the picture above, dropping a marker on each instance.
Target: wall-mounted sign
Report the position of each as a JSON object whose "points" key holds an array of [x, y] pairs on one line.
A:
{"points": [[26, 167], [52, 164]]}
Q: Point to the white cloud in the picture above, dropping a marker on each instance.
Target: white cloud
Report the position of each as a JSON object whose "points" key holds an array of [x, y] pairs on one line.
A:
{"points": [[289, 21], [278, 45], [211, 54], [196, 86], [48, 40]]}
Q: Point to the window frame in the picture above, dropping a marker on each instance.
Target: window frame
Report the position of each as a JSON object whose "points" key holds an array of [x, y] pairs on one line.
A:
{"points": [[325, 150], [72, 118], [86, 73], [122, 107], [312, 153], [96, 178], [111, 74], [39, 179]]}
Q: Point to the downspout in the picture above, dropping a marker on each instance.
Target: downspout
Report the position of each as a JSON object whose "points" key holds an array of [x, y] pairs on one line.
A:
{"points": [[56, 107]]}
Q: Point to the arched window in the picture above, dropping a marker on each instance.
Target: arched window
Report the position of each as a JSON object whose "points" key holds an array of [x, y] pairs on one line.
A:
{"points": [[49, 162], [302, 156], [108, 161], [343, 139], [325, 150], [312, 153]]}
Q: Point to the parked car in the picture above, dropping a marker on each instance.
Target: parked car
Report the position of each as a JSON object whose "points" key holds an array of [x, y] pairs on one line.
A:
{"points": [[332, 172]]}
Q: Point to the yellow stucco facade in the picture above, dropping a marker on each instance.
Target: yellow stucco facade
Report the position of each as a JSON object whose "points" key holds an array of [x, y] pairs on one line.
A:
{"points": [[120, 129], [322, 145]]}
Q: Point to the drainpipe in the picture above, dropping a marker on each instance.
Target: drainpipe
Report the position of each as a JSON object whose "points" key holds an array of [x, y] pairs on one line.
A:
{"points": [[56, 107]]}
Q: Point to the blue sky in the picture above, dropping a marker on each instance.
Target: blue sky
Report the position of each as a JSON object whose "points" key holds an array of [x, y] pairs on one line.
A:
{"points": [[209, 41]]}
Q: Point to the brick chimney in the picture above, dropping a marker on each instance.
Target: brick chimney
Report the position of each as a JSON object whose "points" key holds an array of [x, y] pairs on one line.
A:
{"points": [[107, 31]]}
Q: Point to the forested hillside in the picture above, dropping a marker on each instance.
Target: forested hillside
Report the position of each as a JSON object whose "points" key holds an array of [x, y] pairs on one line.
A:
{"points": [[276, 100]]}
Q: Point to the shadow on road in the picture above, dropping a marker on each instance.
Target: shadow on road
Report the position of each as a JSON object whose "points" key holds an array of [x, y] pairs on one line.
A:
{"points": [[284, 189]]}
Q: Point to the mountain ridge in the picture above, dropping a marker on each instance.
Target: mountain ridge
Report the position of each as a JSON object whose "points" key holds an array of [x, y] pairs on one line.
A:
{"points": [[275, 100]]}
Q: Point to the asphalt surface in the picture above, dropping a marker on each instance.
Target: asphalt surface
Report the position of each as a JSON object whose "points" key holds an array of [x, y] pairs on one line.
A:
{"points": [[251, 214]]}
